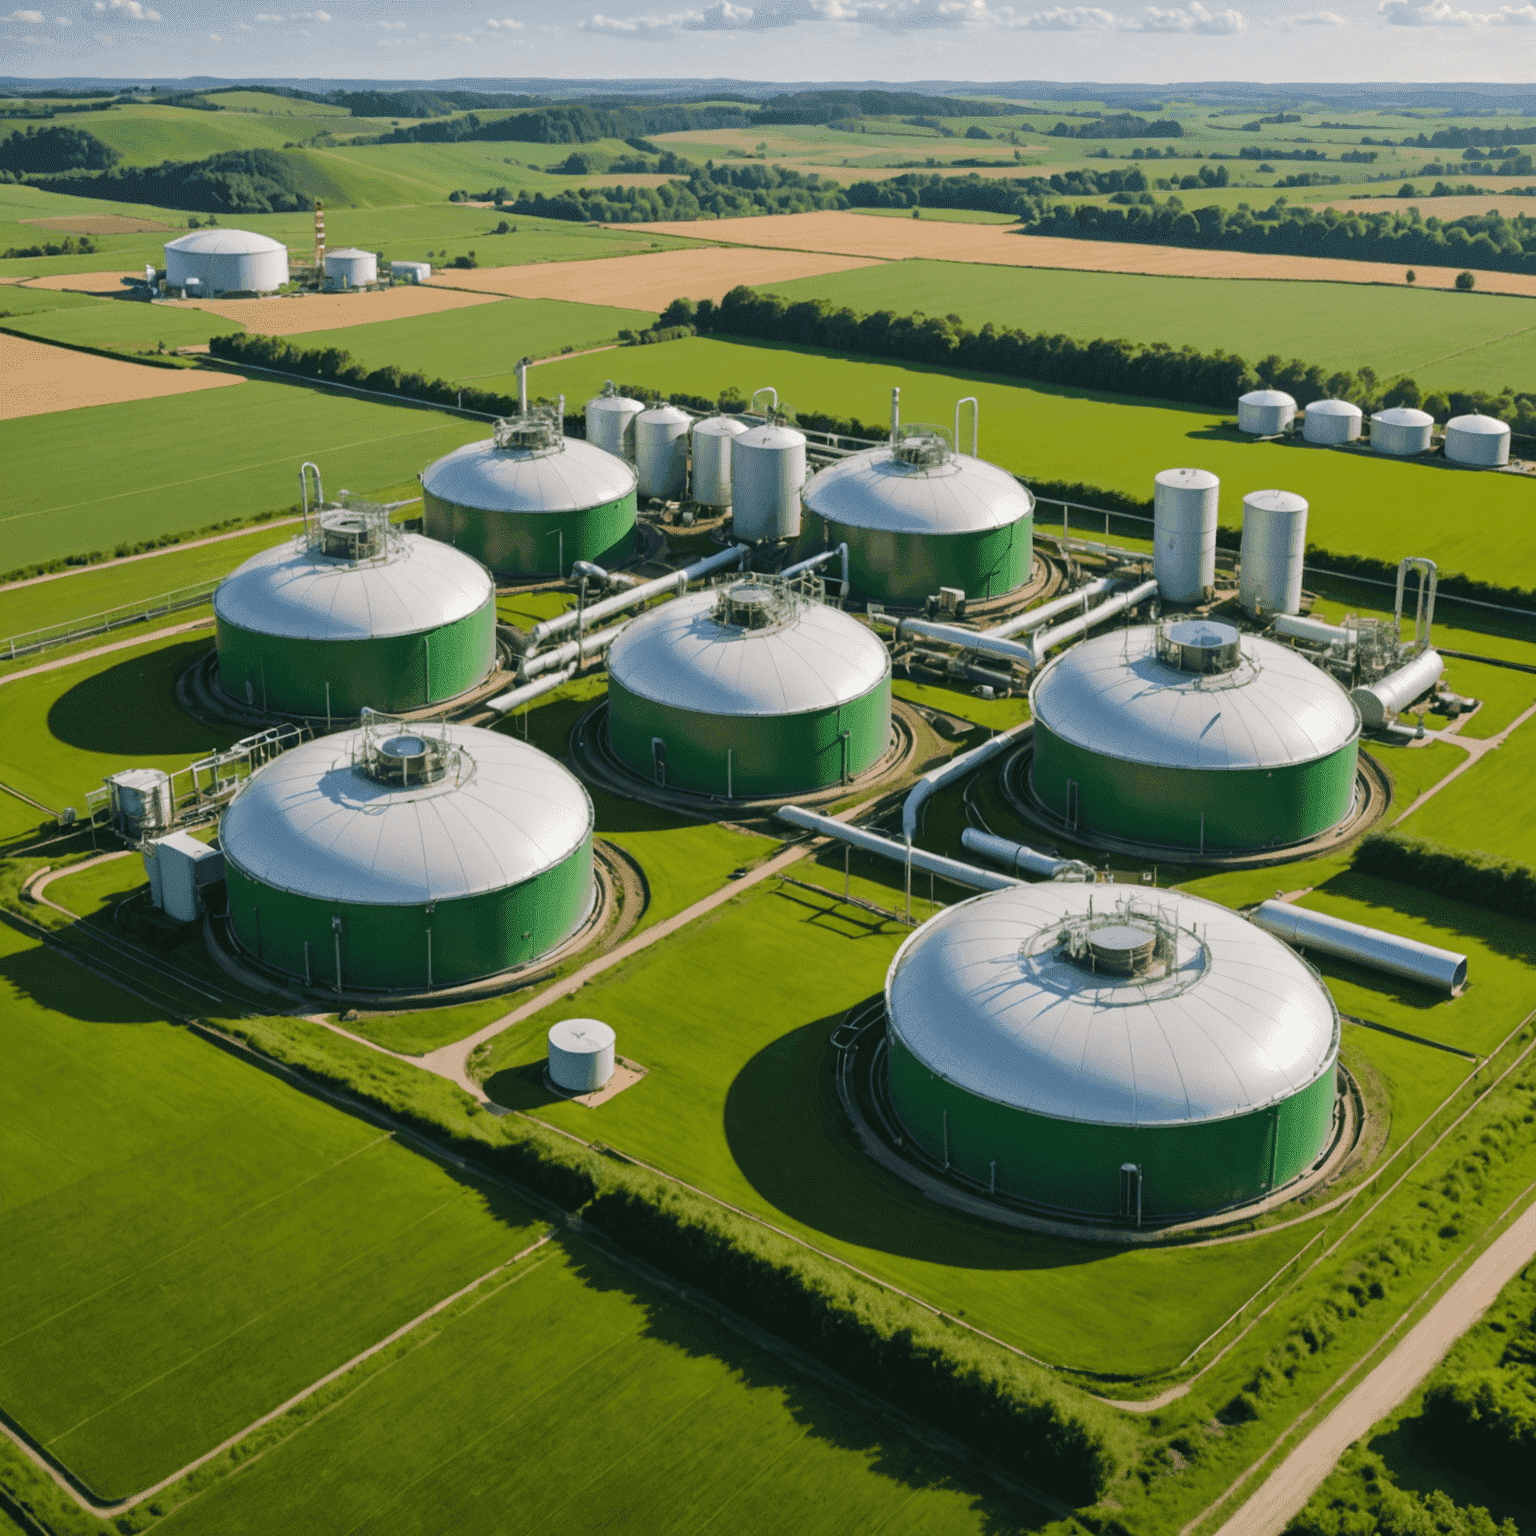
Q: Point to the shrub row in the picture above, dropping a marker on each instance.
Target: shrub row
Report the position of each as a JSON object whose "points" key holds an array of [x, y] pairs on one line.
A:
{"points": [[1480, 879]]}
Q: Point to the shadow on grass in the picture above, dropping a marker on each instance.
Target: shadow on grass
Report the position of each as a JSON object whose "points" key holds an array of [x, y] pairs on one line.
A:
{"points": [[131, 708], [521, 1087], [824, 1412], [57, 984]]}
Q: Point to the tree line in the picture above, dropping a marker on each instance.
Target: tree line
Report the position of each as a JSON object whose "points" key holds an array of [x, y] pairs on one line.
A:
{"points": [[237, 181]]}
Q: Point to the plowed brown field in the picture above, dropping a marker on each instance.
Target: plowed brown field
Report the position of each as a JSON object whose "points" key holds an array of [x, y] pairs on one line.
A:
{"points": [[38, 379]]}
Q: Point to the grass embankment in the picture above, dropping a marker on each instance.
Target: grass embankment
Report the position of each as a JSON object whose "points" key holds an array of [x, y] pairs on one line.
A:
{"points": [[1459, 815]]}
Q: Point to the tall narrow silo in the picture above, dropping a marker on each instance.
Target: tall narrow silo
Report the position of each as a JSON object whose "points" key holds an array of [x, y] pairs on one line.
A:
{"points": [[1184, 514], [712, 439], [1274, 550], [661, 451], [611, 421], [767, 473]]}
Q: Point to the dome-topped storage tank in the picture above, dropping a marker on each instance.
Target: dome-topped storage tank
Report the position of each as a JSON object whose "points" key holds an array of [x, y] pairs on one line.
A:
{"points": [[1152, 1056], [1185, 508], [1265, 412], [1332, 421], [407, 857], [610, 420], [1401, 431], [354, 613], [529, 501], [712, 439], [1274, 552], [661, 451], [917, 516], [767, 471], [751, 689], [215, 261], [351, 268], [1189, 735], [1481, 441]]}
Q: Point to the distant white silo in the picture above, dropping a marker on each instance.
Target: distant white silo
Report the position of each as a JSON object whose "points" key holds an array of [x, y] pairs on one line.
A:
{"points": [[1274, 548], [661, 451], [1184, 508], [1332, 421], [712, 439], [610, 421], [1482, 441], [580, 1055], [1265, 412], [767, 472], [1401, 431], [351, 267]]}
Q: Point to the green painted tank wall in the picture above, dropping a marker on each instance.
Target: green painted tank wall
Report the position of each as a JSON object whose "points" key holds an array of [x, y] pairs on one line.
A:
{"points": [[522, 545], [1073, 1165], [393, 672], [908, 568], [773, 754], [385, 947], [1244, 807]]}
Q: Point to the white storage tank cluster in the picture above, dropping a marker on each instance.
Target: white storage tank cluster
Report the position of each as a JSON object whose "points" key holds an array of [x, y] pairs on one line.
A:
{"points": [[1401, 431], [767, 473], [214, 261], [410, 271], [712, 439], [351, 268], [1265, 412], [661, 451], [611, 421], [1184, 512], [1274, 548], [1479, 441], [1332, 421]]}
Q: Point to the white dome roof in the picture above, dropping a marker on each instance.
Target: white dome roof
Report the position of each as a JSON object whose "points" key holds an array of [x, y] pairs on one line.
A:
{"points": [[312, 823], [720, 426], [984, 996], [1266, 397], [680, 656], [1334, 408], [570, 476], [1112, 695], [876, 489], [1404, 416], [1481, 426], [225, 242], [296, 591], [1187, 479]]}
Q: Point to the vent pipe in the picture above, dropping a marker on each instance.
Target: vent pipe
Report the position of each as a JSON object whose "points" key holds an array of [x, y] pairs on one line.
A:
{"points": [[522, 387], [895, 415], [1382, 951]]}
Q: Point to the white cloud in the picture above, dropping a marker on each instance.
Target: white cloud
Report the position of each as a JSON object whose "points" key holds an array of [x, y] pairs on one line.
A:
{"points": [[31, 18], [1402, 13], [1069, 18], [504, 25], [132, 9], [1191, 18]]}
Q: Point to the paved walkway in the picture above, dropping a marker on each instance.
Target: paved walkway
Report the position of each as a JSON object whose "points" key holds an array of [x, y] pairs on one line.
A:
{"points": [[1476, 751], [104, 650], [1390, 1385]]}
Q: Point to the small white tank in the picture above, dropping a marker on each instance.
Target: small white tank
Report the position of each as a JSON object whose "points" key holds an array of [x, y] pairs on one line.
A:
{"points": [[661, 451], [767, 472], [1389, 696], [1332, 421], [351, 267], [712, 439], [610, 422], [580, 1055], [1265, 412], [1184, 509], [1482, 441], [1401, 431], [1274, 548]]}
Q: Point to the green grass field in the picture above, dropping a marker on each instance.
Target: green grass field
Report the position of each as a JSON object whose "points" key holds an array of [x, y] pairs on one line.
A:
{"points": [[1440, 338], [188, 1239], [120, 325], [1460, 814]]}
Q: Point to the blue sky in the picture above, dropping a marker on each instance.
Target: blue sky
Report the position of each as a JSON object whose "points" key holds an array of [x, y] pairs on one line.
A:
{"points": [[1115, 40]]}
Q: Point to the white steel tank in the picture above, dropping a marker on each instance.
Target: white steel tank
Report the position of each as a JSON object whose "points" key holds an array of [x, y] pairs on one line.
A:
{"points": [[610, 421], [1482, 441], [712, 439], [767, 472], [1332, 421], [1389, 696], [351, 268], [1274, 548], [580, 1055], [1265, 412], [1184, 508], [226, 261], [1401, 431], [661, 451], [410, 271]]}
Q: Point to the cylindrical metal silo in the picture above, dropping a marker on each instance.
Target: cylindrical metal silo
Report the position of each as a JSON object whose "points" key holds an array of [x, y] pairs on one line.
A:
{"points": [[1190, 735], [748, 690], [1401, 431], [611, 421], [1135, 1056], [767, 472], [407, 857], [215, 261], [358, 268], [581, 1054], [1332, 421], [530, 502], [1265, 412], [661, 451], [1273, 552], [1482, 441], [712, 439], [1184, 513], [1389, 696]]}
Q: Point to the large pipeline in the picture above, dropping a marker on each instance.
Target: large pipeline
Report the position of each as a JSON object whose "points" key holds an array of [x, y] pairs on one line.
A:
{"points": [[1050, 638], [901, 853], [1048, 611], [1022, 860], [840, 553], [1389, 952], [576, 651], [955, 768], [1380, 702], [503, 702]]}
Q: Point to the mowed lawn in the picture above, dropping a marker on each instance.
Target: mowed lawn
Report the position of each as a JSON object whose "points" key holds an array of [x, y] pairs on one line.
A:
{"points": [[1360, 504], [90, 479], [1491, 808], [1444, 340], [189, 1239], [120, 325], [575, 1399]]}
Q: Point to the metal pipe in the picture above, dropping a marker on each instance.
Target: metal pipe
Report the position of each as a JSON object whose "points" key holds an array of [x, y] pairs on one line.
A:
{"points": [[505, 702], [975, 406], [1424, 614], [895, 415], [955, 768], [840, 553], [546, 629], [1048, 611], [1022, 860], [965, 639], [767, 389], [1383, 951], [1084, 622], [304, 492], [1388, 696], [576, 650], [522, 386], [900, 853], [1296, 627], [1403, 732], [954, 666]]}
